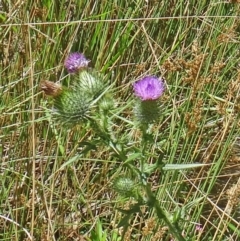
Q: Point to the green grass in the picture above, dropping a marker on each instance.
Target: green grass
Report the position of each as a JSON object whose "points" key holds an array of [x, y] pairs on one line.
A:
{"points": [[55, 182]]}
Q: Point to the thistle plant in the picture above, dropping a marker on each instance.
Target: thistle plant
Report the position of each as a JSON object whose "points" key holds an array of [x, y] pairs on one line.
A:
{"points": [[86, 99]]}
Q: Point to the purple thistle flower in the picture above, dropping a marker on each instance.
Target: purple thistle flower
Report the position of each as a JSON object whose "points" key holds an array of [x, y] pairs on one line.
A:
{"points": [[75, 62], [148, 88]]}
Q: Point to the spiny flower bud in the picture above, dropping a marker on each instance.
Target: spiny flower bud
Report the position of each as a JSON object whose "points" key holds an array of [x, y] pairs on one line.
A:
{"points": [[76, 62], [106, 104], [89, 82], [148, 90], [124, 186], [71, 106]]}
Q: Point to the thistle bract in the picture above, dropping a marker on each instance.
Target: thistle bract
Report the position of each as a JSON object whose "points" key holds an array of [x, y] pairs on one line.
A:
{"points": [[147, 111], [75, 62]]}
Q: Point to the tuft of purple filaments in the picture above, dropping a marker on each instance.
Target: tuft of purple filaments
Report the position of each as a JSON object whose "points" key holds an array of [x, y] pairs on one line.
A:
{"points": [[149, 88], [75, 62]]}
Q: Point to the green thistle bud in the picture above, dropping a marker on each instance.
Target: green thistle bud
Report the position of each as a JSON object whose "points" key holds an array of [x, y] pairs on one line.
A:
{"points": [[124, 186], [90, 82], [71, 106], [106, 104]]}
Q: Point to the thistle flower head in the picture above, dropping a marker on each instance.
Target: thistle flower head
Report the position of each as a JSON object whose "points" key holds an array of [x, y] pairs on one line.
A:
{"points": [[75, 62], [148, 88]]}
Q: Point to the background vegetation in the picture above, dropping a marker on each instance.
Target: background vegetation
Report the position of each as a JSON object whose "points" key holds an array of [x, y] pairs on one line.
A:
{"points": [[55, 182]]}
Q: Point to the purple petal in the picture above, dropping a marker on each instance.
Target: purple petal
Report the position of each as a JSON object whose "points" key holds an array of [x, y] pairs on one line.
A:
{"points": [[75, 61], [149, 88]]}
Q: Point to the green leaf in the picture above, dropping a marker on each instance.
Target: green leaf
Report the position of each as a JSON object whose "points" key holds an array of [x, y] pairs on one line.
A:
{"points": [[169, 167], [133, 157], [234, 228]]}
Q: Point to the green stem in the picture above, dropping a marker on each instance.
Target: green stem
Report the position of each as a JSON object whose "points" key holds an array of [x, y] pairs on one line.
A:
{"points": [[162, 215], [143, 128], [108, 140]]}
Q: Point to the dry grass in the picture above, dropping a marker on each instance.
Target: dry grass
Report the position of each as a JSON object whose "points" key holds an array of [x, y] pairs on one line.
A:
{"points": [[56, 182]]}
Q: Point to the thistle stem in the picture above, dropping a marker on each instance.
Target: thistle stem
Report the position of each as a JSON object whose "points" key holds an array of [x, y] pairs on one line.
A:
{"points": [[152, 201]]}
